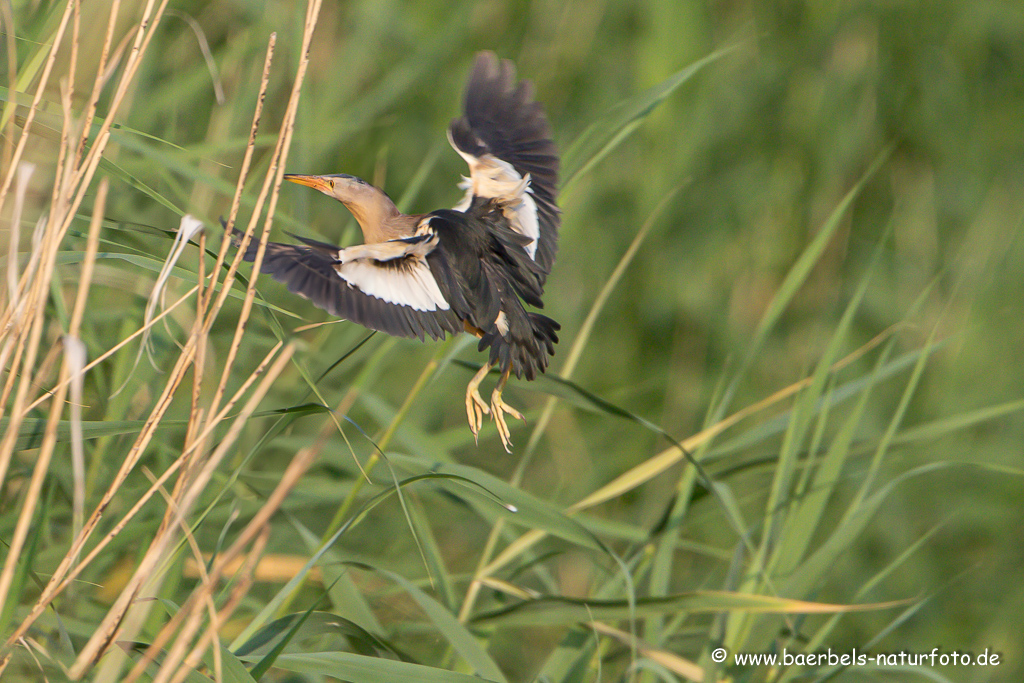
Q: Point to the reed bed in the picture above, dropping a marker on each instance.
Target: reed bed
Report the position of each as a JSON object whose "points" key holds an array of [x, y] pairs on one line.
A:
{"points": [[203, 480]]}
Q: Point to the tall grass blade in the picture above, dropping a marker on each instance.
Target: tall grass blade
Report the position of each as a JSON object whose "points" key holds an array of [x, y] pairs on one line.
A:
{"points": [[605, 134], [454, 632], [560, 610], [795, 279]]}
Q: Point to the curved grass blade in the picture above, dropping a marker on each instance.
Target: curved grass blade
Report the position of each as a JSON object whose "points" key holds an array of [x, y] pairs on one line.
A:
{"points": [[560, 610], [454, 632], [529, 511], [794, 280], [808, 573], [155, 265], [123, 175], [283, 594], [316, 624], [954, 423], [342, 590], [615, 125], [30, 433], [232, 670]]}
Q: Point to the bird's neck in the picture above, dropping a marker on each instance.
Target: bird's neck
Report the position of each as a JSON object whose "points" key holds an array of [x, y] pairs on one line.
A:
{"points": [[398, 225], [381, 223]]}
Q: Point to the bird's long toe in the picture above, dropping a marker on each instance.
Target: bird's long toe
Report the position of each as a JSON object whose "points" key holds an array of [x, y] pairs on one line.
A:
{"points": [[498, 411], [476, 408]]}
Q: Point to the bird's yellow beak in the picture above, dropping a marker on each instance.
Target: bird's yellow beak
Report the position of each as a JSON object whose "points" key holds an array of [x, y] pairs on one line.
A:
{"points": [[317, 182]]}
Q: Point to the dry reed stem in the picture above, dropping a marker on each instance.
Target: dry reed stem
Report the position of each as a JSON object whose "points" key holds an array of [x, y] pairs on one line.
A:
{"points": [[78, 313], [75, 349], [134, 619], [179, 626], [272, 182], [13, 344], [55, 587], [76, 32], [24, 175], [24, 322], [36, 99], [97, 87], [204, 578], [7, 18], [89, 263], [35, 308], [74, 173], [244, 171], [13, 321], [291, 476], [238, 591], [28, 329], [225, 239], [53, 235], [36, 279], [82, 176], [58, 196], [28, 509], [109, 627], [14, 305], [273, 179], [195, 414], [120, 345], [132, 458], [261, 199]]}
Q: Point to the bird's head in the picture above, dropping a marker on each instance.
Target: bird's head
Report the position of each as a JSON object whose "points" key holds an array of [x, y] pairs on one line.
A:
{"points": [[346, 188], [370, 205]]}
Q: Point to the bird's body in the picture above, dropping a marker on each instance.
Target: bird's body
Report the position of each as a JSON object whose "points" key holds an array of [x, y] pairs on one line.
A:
{"points": [[469, 268]]}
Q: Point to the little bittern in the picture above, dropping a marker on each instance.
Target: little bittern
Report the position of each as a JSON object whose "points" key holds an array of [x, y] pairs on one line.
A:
{"points": [[469, 268]]}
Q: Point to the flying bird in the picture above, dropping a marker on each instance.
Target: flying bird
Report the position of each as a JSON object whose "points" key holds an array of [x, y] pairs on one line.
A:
{"points": [[475, 267]]}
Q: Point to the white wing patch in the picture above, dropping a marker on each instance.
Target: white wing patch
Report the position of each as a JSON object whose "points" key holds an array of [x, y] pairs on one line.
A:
{"points": [[409, 283], [493, 178], [412, 285]]}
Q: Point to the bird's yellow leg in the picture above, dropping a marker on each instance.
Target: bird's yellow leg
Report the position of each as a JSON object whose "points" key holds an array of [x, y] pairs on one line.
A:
{"points": [[476, 408], [498, 410]]}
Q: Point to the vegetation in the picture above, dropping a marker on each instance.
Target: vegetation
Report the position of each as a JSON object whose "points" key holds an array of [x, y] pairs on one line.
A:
{"points": [[784, 415]]}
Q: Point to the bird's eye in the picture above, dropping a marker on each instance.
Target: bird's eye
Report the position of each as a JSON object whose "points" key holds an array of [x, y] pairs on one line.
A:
{"points": [[332, 183]]}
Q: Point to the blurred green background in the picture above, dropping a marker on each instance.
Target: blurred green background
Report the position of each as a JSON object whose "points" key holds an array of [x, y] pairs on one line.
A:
{"points": [[761, 145]]}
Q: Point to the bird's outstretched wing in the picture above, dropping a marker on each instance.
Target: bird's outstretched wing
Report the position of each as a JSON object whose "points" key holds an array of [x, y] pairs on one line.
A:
{"points": [[399, 295], [505, 138]]}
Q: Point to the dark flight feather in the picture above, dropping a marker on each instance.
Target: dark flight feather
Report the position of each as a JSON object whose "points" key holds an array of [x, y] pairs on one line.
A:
{"points": [[501, 118], [310, 272]]}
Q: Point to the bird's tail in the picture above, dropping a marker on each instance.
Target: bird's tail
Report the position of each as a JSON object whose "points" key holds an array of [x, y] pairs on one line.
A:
{"points": [[524, 346]]}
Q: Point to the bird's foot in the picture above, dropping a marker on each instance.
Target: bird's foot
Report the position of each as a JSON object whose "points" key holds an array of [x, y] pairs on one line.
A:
{"points": [[498, 410], [476, 408]]}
